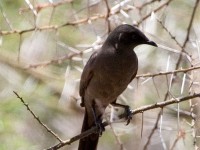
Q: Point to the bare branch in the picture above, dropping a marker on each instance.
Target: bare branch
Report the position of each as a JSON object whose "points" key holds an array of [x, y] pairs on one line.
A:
{"points": [[133, 112], [5, 17], [81, 21], [53, 27], [45, 5], [108, 15], [54, 61], [168, 72], [188, 33], [181, 134], [155, 10], [37, 118], [147, 3]]}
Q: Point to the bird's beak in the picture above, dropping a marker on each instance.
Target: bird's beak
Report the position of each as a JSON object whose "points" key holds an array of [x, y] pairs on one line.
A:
{"points": [[151, 43]]}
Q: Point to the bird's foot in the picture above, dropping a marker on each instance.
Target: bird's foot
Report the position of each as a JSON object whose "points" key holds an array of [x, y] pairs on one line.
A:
{"points": [[100, 127], [128, 114], [98, 122]]}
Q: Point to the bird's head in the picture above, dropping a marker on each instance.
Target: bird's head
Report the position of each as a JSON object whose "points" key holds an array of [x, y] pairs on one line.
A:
{"points": [[127, 36]]}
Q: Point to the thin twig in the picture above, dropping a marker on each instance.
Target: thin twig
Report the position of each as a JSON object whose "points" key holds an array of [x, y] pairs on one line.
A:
{"points": [[146, 3], [53, 27], [181, 134], [37, 118], [155, 125], [44, 5], [168, 72], [107, 15], [170, 34], [54, 61], [117, 138], [31, 7], [188, 33], [6, 18], [152, 131], [155, 10]]}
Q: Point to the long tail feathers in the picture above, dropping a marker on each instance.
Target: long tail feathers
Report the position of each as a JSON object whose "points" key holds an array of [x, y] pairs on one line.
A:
{"points": [[90, 142]]}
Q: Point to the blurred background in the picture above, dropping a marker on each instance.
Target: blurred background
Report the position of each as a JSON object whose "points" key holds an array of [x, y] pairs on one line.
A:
{"points": [[44, 45]]}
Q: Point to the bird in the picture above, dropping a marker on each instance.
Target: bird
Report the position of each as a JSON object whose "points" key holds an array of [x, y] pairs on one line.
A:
{"points": [[106, 75]]}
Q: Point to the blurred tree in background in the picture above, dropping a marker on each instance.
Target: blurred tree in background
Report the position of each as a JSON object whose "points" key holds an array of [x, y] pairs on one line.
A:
{"points": [[44, 45]]}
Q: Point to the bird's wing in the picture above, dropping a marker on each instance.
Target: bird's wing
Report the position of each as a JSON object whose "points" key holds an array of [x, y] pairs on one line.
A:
{"points": [[133, 76], [86, 76]]}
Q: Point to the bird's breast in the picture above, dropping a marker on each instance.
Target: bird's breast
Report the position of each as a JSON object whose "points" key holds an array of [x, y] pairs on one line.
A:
{"points": [[112, 75], [118, 66]]}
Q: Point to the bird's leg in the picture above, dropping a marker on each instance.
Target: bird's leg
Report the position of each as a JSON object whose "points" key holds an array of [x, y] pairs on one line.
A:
{"points": [[98, 121], [127, 112]]}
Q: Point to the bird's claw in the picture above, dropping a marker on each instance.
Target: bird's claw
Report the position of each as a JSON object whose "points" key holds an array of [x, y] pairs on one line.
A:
{"points": [[128, 114], [100, 127]]}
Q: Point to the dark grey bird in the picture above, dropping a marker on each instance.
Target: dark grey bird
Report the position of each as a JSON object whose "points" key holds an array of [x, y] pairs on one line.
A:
{"points": [[106, 75]]}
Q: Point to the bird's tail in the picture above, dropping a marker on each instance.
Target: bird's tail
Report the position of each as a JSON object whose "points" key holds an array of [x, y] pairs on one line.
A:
{"points": [[90, 142]]}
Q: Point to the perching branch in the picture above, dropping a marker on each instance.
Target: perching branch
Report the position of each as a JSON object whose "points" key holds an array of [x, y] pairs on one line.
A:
{"points": [[133, 112], [106, 123]]}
